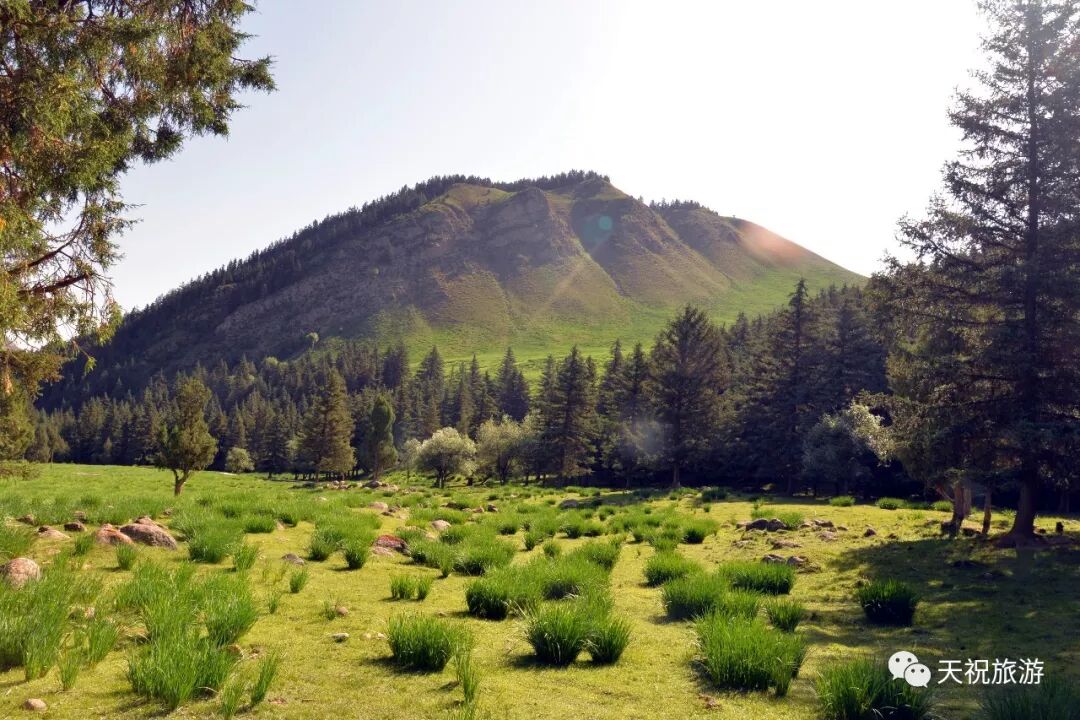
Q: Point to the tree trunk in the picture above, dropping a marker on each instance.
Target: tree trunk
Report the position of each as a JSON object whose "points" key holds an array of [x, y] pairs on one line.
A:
{"points": [[987, 512], [1023, 530], [675, 475], [178, 485]]}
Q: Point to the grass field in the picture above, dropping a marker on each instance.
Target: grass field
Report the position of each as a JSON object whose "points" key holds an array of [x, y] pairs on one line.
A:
{"points": [[976, 602]]}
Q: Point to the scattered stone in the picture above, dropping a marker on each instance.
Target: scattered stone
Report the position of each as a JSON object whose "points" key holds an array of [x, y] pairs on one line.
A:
{"points": [[27, 519], [381, 551], [773, 558], [19, 571], [292, 559], [340, 637], [781, 544], [1059, 528], [392, 542], [35, 705], [820, 523], [380, 636], [149, 533], [869, 532], [492, 508], [368, 636], [768, 525], [842, 528], [569, 504], [894, 536], [478, 510], [828, 536], [109, 535], [379, 505], [391, 488], [147, 520], [74, 526], [797, 560], [341, 611], [742, 543], [805, 524], [50, 533], [440, 525], [373, 484], [235, 650]]}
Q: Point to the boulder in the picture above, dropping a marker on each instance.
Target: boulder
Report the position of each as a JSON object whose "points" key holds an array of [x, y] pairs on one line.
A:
{"points": [[378, 505], [373, 484], [392, 542], [440, 525], [797, 561], [492, 508], [292, 559], [35, 705], [869, 532], [773, 558], [828, 536], [340, 637], [783, 544], [569, 504], [842, 528], [109, 535], [768, 525], [19, 571], [27, 519], [384, 552], [48, 533], [74, 526], [149, 534], [819, 523], [341, 611]]}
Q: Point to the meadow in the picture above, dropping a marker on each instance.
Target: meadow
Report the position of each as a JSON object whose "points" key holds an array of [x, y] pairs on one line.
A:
{"points": [[549, 603]]}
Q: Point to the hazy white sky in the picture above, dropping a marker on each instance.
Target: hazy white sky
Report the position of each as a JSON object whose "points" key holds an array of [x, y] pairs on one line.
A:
{"points": [[823, 121]]}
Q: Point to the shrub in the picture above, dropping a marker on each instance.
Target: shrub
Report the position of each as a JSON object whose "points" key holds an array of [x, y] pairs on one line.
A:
{"points": [[739, 653], [482, 554], [434, 554], [264, 678], [356, 551], [665, 566], [230, 698], [322, 545], [552, 549], [423, 586], [298, 579], [785, 614], [533, 538], [599, 553], [70, 665], [713, 494], [695, 531], [942, 506], [14, 541], [82, 546], [228, 608], [608, 639], [861, 689], [212, 544], [700, 594], [769, 578], [886, 503], [244, 557], [504, 591], [842, 501], [424, 643], [888, 602], [558, 633], [173, 668], [1051, 699], [100, 638], [260, 523], [402, 587], [568, 576], [126, 555]]}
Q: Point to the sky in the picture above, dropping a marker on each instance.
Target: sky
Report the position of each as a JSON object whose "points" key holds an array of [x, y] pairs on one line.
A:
{"points": [[825, 122]]}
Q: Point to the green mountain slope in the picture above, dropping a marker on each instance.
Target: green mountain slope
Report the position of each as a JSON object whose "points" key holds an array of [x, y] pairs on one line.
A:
{"points": [[474, 266]]}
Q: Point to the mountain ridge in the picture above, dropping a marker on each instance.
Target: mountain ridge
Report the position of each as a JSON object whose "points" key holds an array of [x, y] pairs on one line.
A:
{"points": [[470, 265]]}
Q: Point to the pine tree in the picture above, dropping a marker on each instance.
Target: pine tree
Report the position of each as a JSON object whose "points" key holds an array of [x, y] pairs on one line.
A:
{"points": [[379, 451], [328, 429], [689, 373], [511, 388], [430, 385], [568, 414], [276, 454], [997, 257]]}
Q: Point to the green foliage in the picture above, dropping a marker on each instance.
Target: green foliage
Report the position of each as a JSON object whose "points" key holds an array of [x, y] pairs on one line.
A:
{"points": [[769, 578], [244, 557], [298, 579], [185, 444], [785, 614], [126, 555], [942, 506], [842, 501], [269, 667], [699, 594], [260, 523], [559, 632], [356, 552], [504, 591], [424, 643], [325, 440], [228, 608], [552, 549], [1051, 699], [887, 503], [861, 689], [82, 545], [174, 668], [446, 453], [100, 638], [608, 638], [697, 529], [665, 566], [15, 541], [601, 553], [322, 545], [212, 543], [231, 698], [888, 602], [792, 519], [468, 675], [70, 666], [740, 653]]}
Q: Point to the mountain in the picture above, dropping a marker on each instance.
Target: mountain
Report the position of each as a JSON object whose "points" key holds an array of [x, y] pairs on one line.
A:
{"points": [[472, 265]]}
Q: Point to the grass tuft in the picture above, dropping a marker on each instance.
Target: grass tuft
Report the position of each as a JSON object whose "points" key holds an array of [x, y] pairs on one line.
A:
{"points": [[888, 602], [743, 654], [861, 689], [423, 643]]}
